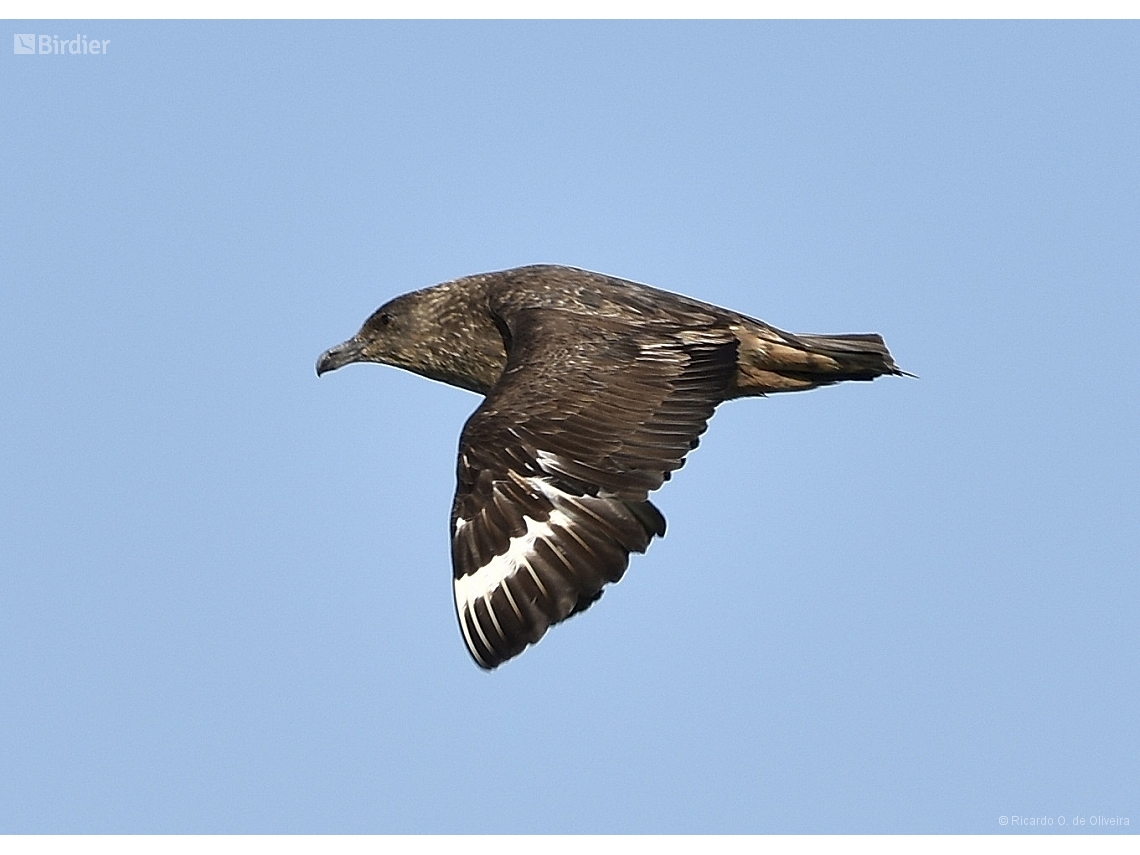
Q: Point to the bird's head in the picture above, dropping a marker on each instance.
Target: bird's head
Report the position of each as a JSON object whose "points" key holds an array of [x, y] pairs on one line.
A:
{"points": [[432, 332], [383, 338]]}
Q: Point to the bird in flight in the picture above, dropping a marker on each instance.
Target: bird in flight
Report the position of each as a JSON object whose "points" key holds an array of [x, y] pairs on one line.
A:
{"points": [[594, 389]]}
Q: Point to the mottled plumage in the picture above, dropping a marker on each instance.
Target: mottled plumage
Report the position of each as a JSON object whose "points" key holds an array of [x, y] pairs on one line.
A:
{"points": [[596, 389]]}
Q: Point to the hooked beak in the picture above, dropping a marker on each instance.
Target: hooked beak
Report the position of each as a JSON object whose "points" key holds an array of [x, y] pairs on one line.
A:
{"points": [[342, 354]]}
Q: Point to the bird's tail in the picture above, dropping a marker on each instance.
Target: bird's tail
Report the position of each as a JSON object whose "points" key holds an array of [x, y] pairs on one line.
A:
{"points": [[776, 361]]}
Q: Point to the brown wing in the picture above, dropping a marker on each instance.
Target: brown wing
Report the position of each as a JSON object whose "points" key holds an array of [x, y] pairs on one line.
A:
{"points": [[556, 464]]}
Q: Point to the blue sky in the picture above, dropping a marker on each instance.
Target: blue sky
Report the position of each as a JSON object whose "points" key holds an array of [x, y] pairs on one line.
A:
{"points": [[906, 606]]}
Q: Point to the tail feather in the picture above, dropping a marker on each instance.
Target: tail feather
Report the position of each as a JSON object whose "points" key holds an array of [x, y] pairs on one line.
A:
{"points": [[863, 356], [776, 361]]}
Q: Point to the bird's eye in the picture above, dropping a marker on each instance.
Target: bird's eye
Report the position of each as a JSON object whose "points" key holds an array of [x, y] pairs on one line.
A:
{"points": [[385, 319]]}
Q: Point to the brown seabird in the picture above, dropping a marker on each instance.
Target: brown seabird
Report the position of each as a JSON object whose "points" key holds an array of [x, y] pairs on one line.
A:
{"points": [[595, 390]]}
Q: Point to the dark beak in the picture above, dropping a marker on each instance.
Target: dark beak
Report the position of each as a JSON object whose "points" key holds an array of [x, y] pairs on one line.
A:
{"points": [[335, 357]]}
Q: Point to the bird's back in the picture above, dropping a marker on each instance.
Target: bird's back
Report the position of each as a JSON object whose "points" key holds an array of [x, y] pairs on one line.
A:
{"points": [[769, 359]]}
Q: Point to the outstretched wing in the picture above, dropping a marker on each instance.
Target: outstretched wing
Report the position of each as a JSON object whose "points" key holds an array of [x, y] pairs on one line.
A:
{"points": [[555, 466]]}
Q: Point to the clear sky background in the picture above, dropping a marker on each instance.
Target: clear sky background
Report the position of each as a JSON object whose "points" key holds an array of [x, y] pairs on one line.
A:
{"points": [[906, 606]]}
